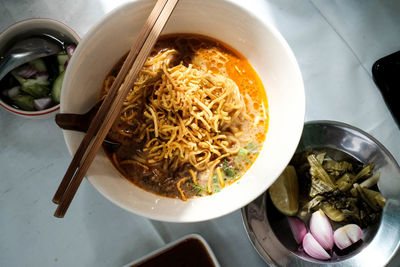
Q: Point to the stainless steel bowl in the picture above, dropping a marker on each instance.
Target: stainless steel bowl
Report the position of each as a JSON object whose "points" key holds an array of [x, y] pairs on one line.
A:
{"points": [[270, 233]]}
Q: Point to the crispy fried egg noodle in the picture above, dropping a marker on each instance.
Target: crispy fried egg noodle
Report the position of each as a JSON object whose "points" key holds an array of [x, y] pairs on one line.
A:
{"points": [[190, 115], [187, 125]]}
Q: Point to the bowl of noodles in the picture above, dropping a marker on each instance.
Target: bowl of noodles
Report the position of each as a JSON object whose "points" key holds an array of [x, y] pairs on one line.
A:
{"points": [[213, 118]]}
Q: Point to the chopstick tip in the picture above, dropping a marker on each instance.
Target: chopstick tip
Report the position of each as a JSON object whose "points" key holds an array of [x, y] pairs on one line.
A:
{"points": [[59, 213], [55, 200]]}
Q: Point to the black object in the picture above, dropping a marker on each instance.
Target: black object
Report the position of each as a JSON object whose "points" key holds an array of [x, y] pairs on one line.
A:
{"points": [[386, 74]]}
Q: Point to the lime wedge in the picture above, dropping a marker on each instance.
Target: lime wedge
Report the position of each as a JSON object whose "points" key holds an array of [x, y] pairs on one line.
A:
{"points": [[284, 192]]}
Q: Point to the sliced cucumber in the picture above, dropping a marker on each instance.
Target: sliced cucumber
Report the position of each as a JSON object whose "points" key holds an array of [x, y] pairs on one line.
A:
{"points": [[57, 85], [39, 65], [25, 102], [18, 78], [36, 88], [62, 58]]}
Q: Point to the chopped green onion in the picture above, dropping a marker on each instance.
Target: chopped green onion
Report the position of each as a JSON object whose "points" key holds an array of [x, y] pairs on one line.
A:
{"points": [[227, 170], [215, 187], [242, 152], [252, 147], [199, 189], [229, 173], [215, 179]]}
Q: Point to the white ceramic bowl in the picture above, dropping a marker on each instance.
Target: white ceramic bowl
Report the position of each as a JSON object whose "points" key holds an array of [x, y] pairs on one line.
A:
{"points": [[27, 28], [260, 43]]}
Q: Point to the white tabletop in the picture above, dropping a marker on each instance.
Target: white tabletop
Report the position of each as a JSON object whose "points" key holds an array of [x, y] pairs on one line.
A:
{"points": [[335, 43]]}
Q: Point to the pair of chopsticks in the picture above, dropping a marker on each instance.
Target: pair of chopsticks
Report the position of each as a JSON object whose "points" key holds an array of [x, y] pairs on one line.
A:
{"points": [[111, 105]]}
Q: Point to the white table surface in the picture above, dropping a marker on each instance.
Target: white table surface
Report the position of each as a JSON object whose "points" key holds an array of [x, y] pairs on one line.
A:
{"points": [[335, 43]]}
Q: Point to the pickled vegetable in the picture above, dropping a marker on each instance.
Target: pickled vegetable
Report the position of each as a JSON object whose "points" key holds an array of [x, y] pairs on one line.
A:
{"points": [[317, 171], [333, 213], [333, 186], [344, 183], [328, 191], [374, 199]]}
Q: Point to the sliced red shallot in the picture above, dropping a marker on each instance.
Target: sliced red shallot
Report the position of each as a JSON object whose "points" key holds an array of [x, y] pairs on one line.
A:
{"points": [[25, 71], [12, 92], [298, 228], [42, 76], [70, 50], [313, 248], [347, 235], [42, 103], [321, 229]]}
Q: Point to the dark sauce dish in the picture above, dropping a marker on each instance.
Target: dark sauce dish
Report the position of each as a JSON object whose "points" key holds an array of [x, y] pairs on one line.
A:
{"points": [[43, 28], [268, 229], [191, 250]]}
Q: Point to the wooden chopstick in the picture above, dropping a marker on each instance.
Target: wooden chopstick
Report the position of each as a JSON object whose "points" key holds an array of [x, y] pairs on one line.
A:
{"points": [[100, 115], [114, 101]]}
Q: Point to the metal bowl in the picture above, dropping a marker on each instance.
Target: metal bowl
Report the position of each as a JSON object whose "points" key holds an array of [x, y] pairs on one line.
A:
{"points": [[270, 234]]}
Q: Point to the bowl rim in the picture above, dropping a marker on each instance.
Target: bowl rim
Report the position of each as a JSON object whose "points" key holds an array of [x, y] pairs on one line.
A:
{"points": [[9, 29], [170, 218]]}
